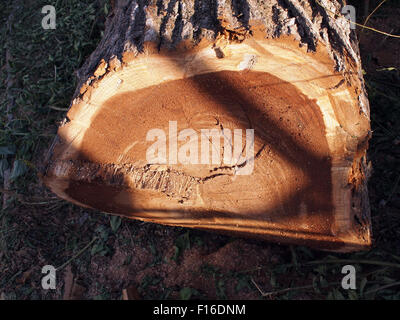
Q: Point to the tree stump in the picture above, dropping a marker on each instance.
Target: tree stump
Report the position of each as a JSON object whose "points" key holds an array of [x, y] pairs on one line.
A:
{"points": [[242, 117]]}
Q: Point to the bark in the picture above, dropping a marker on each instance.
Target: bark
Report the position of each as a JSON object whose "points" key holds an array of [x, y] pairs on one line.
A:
{"points": [[286, 69]]}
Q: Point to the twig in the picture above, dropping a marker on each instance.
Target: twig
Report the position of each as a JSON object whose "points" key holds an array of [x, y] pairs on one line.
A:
{"points": [[14, 276], [271, 293], [359, 24], [373, 11], [78, 254], [383, 287], [58, 109]]}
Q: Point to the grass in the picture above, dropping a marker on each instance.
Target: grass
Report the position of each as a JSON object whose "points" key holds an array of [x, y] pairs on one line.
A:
{"points": [[36, 228]]}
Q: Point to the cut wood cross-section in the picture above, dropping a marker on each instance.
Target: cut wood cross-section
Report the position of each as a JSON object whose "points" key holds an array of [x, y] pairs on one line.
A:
{"points": [[242, 117]]}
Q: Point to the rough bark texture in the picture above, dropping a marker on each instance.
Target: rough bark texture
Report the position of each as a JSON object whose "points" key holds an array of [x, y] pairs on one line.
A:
{"points": [[169, 22], [310, 167]]}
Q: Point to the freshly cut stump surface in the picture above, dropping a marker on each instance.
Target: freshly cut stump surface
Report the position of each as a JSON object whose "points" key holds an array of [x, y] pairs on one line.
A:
{"points": [[232, 129]]}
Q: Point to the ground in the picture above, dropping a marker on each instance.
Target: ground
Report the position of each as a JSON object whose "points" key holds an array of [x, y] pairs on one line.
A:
{"points": [[97, 255]]}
